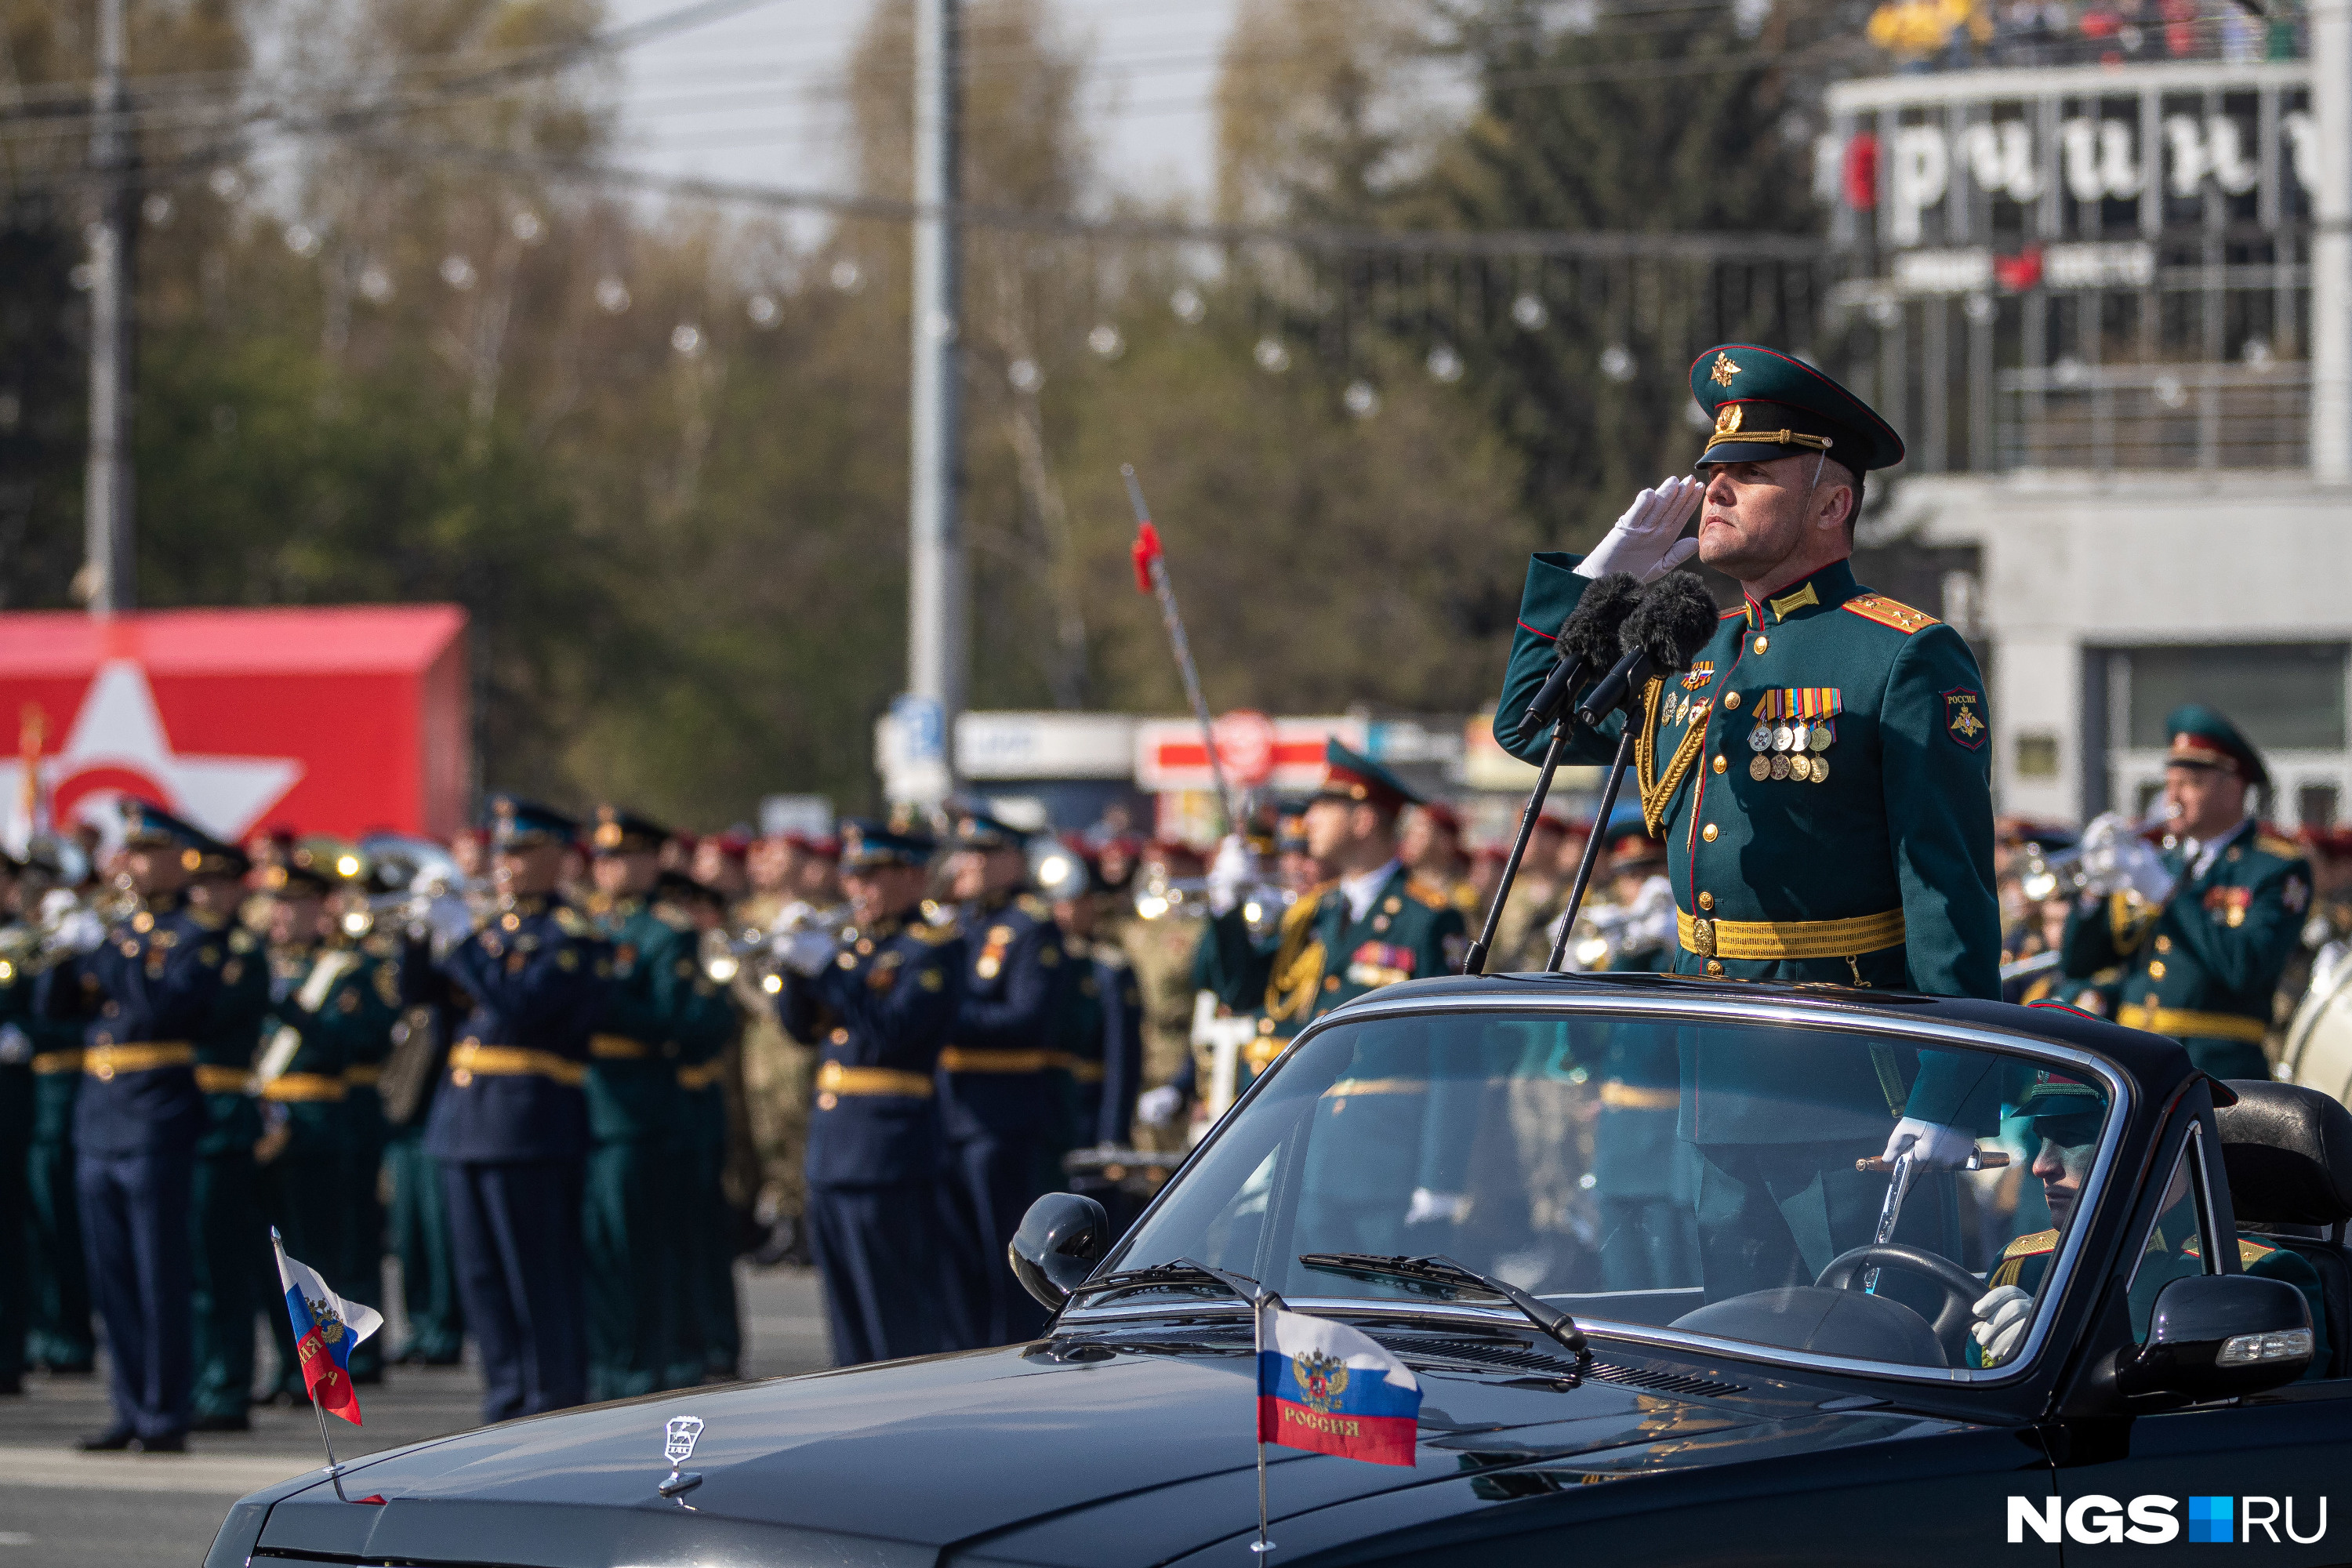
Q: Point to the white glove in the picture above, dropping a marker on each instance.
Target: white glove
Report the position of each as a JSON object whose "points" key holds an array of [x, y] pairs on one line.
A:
{"points": [[2002, 1317], [450, 919], [80, 932], [804, 952], [16, 1045], [1426, 1205], [1234, 868], [1158, 1107], [1644, 540], [2117, 859], [1934, 1147]]}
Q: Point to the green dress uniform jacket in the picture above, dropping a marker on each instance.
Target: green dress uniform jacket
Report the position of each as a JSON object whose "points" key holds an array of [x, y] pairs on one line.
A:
{"points": [[1866, 861], [634, 1053], [2203, 967], [1327, 958]]}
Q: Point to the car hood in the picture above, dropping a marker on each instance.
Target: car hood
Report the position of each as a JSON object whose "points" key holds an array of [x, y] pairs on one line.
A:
{"points": [[1148, 1449]]}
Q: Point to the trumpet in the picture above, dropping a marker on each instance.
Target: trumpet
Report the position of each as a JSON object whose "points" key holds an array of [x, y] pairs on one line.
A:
{"points": [[1262, 903], [2064, 874], [67, 925], [726, 955]]}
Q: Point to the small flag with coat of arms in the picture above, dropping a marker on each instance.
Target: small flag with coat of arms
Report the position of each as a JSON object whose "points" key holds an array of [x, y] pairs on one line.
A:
{"points": [[1325, 1387], [326, 1327]]}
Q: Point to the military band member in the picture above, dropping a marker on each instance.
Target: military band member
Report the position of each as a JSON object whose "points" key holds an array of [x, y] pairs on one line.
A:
{"points": [[2201, 958], [510, 1122], [322, 1005], [164, 987], [378, 990], [44, 1004], [1820, 776], [1161, 950], [879, 1006], [1432, 849], [997, 1106], [708, 1344], [1099, 1028], [15, 1151]]}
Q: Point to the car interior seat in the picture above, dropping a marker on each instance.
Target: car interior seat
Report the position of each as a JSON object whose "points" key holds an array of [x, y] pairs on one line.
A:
{"points": [[2288, 1153]]}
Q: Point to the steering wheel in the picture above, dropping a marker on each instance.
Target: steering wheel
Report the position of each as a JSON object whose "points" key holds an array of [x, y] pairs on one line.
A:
{"points": [[1960, 1287]]}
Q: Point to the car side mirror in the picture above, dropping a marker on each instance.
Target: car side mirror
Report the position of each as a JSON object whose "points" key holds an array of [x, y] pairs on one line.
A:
{"points": [[1061, 1239], [2216, 1336]]}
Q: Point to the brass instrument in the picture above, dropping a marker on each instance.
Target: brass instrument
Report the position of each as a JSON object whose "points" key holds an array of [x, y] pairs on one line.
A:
{"points": [[68, 924], [726, 954], [1262, 903]]}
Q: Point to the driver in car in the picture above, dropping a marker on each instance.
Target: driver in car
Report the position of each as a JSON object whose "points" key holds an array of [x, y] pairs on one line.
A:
{"points": [[2066, 1116]]}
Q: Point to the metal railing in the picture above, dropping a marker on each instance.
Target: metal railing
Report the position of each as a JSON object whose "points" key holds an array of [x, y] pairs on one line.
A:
{"points": [[2155, 416]]}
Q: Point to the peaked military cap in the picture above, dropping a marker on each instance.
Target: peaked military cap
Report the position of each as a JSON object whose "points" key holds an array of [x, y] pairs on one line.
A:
{"points": [[2053, 1102], [514, 821], [1350, 775], [866, 844], [677, 887], [622, 832], [1768, 404], [978, 830], [2202, 738], [147, 825]]}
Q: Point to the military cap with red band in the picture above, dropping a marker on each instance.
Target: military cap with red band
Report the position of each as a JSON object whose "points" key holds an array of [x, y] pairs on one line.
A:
{"points": [[1765, 404], [1350, 775], [2202, 738]]}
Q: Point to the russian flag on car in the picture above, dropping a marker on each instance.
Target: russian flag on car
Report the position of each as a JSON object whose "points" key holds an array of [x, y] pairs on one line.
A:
{"points": [[326, 1327], [1323, 1385]]}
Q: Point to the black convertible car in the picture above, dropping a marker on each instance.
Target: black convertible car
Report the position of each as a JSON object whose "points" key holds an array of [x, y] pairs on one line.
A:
{"points": [[1609, 1222]]}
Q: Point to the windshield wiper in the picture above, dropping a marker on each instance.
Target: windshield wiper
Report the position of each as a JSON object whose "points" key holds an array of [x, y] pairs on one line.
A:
{"points": [[1445, 1271], [1178, 1271]]}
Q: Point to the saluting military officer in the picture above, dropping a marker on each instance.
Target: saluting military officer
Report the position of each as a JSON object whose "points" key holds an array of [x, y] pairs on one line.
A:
{"points": [[1820, 776], [998, 1109], [166, 986], [324, 1009], [630, 1222], [509, 1125], [2201, 956], [878, 1005]]}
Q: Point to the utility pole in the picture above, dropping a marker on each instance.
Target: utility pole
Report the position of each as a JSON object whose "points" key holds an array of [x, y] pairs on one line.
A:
{"points": [[107, 499], [937, 653], [2331, 244]]}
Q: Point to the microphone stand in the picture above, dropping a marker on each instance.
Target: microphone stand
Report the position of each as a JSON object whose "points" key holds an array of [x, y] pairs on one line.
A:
{"points": [[1476, 961], [1592, 844]]}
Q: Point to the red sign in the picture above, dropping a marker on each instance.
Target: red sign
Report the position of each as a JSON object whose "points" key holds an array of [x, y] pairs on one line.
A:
{"points": [[327, 721], [1170, 753]]}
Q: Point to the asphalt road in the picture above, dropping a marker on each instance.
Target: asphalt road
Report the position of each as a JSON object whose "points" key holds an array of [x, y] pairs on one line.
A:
{"points": [[63, 1510]]}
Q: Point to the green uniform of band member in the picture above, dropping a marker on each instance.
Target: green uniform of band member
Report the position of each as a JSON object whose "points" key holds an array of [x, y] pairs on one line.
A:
{"points": [[1820, 774], [2201, 959]]}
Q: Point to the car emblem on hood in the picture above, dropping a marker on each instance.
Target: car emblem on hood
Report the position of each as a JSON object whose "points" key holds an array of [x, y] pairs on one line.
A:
{"points": [[678, 1447]]}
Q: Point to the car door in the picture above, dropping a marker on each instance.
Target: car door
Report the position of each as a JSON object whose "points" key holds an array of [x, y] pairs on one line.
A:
{"points": [[2258, 1470]]}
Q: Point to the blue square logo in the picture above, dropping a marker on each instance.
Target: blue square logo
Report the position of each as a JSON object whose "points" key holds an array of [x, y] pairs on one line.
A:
{"points": [[2209, 1518]]}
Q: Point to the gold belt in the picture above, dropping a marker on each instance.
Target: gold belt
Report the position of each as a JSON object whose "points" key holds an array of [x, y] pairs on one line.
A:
{"points": [[832, 1078], [618, 1048], [2182, 1023], [363, 1077], [1776, 940], [703, 1075], [964, 1058], [1640, 1097], [306, 1087], [1081, 1070], [46, 1062], [103, 1062], [470, 1059], [211, 1079]]}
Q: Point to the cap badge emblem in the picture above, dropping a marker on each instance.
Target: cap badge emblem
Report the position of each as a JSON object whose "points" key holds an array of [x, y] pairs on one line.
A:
{"points": [[1724, 369], [1726, 419]]}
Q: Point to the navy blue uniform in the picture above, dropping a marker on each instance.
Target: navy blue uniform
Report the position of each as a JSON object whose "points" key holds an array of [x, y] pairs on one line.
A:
{"points": [[509, 1126], [1102, 1045], [137, 1121], [997, 1114], [878, 1015]]}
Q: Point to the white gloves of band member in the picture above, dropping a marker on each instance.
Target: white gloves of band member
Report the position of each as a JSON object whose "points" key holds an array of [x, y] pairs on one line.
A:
{"points": [[804, 952], [1234, 868], [2002, 1316], [1646, 541], [2115, 859], [1158, 1107], [1933, 1146], [1429, 1205]]}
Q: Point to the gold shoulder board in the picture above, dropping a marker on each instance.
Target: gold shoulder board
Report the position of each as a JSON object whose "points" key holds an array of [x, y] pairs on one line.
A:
{"points": [[926, 931], [1425, 893], [1889, 612], [2272, 844], [2027, 1245], [570, 923]]}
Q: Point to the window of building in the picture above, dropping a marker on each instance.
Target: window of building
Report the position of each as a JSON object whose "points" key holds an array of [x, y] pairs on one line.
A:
{"points": [[2285, 696]]}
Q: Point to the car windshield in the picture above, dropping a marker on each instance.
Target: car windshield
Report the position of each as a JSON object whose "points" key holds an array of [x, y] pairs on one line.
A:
{"points": [[1708, 1173]]}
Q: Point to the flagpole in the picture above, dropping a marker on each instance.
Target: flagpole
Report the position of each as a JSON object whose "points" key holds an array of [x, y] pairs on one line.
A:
{"points": [[1257, 1353], [334, 1466]]}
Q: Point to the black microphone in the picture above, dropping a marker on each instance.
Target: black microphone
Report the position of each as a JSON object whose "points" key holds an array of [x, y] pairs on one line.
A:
{"points": [[1588, 639], [1666, 630]]}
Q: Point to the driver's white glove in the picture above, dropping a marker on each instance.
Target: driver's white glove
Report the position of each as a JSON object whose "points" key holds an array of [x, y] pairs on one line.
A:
{"points": [[2002, 1315], [804, 952], [1234, 868], [1427, 1206], [1933, 1146], [2117, 859], [1158, 1107], [1644, 541]]}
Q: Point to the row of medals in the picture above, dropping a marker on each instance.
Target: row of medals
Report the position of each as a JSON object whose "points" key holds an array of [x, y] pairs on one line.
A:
{"points": [[1791, 750]]}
